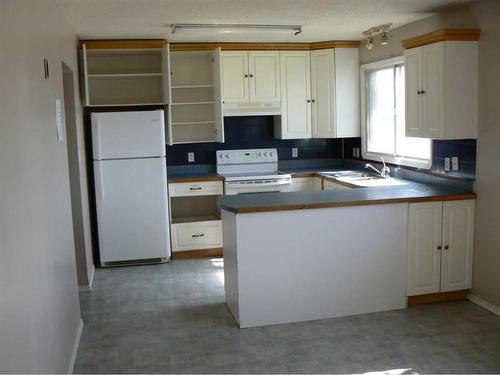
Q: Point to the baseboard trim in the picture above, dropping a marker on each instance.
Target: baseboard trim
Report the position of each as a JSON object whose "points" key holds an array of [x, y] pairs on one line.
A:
{"points": [[75, 347], [202, 253], [88, 288], [484, 304], [424, 299]]}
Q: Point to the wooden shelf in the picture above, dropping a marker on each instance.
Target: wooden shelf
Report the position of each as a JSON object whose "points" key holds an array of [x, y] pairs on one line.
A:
{"points": [[192, 103], [192, 87], [193, 122], [125, 75]]}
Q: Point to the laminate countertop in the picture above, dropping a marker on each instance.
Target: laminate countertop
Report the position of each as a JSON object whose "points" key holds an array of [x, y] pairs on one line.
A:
{"points": [[410, 192]]}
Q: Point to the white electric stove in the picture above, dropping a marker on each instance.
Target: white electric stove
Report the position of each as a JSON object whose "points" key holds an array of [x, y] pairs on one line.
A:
{"points": [[251, 171]]}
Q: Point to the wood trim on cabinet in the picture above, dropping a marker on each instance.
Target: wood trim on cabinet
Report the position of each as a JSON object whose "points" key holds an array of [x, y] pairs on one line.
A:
{"points": [[173, 180], [441, 35], [437, 297], [307, 206], [335, 44], [122, 43], [229, 46], [202, 253]]}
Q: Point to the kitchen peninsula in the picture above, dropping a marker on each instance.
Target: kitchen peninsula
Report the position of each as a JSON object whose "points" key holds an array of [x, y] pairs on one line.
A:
{"points": [[300, 256]]}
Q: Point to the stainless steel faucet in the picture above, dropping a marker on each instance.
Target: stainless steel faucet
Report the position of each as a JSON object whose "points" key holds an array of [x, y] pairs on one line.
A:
{"points": [[385, 172]]}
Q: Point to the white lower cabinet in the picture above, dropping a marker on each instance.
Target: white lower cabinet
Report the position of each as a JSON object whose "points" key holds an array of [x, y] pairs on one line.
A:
{"points": [[197, 235], [194, 218], [440, 246]]}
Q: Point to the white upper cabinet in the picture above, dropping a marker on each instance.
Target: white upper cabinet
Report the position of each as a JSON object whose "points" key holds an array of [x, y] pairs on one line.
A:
{"points": [[111, 76], [441, 90], [264, 75], [250, 82], [234, 77], [195, 105], [323, 93], [335, 93], [347, 92], [440, 246], [295, 119]]}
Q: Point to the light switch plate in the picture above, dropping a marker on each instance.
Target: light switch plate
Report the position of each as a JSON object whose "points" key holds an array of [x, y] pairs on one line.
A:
{"points": [[60, 135], [454, 163], [295, 152], [190, 157], [447, 164]]}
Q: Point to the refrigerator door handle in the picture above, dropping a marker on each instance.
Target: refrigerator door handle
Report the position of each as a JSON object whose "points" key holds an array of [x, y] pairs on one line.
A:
{"points": [[99, 181]]}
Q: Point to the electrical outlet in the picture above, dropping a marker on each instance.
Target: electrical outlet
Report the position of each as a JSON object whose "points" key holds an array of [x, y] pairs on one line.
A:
{"points": [[190, 157], [295, 152], [354, 152], [357, 153], [454, 163], [447, 164]]}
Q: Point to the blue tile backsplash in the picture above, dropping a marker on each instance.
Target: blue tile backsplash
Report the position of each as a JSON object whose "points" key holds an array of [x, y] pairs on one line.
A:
{"points": [[465, 149], [254, 132]]}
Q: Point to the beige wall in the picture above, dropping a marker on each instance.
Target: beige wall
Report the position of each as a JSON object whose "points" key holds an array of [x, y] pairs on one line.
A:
{"points": [[483, 14], [39, 307]]}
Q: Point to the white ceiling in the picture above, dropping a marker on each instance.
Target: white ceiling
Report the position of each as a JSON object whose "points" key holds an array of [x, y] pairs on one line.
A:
{"points": [[320, 19]]}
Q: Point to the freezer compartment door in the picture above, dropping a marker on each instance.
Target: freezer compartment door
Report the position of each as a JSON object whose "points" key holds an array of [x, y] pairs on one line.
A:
{"points": [[134, 134], [132, 211]]}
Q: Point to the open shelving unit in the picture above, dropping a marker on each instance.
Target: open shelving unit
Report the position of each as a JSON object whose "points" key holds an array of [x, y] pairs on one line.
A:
{"points": [[123, 76], [195, 114]]}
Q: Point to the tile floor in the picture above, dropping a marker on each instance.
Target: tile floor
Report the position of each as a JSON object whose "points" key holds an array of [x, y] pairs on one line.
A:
{"points": [[171, 318]]}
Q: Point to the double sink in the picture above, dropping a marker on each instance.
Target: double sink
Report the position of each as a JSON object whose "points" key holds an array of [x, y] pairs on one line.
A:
{"points": [[362, 179]]}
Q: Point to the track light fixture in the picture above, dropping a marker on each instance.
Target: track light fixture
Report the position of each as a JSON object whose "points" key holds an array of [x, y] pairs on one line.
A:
{"points": [[369, 43], [371, 32]]}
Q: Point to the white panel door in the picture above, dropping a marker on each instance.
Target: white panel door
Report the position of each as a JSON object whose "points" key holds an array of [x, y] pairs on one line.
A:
{"points": [[295, 95], [424, 248], [413, 72], [264, 75], [432, 110], [346, 111], [458, 238], [235, 77], [323, 93], [137, 134], [218, 109], [132, 213]]}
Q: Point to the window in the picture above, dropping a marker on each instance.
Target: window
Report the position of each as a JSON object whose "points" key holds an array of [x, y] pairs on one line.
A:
{"points": [[383, 116]]}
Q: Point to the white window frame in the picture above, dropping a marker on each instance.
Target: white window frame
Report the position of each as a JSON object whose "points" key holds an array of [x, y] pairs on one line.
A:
{"points": [[405, 161]]}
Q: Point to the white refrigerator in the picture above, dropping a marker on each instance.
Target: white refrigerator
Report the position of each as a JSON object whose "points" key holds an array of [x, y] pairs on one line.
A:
{"points": [[130, 175]]}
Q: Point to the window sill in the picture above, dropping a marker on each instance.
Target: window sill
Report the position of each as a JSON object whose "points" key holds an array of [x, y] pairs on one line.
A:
{"points": [[406, 162]]}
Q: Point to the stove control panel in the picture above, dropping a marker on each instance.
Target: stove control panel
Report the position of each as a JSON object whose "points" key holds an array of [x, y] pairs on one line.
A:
{"points": [[252, 156]]}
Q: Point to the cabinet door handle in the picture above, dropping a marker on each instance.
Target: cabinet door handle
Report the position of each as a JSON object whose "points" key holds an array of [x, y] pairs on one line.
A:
{"points": [[251, 75], [419, 92], [197, 235], [246, 75], [439, 247], [446, 247], [314, 100], [422, 92], [308, 100], [195, 188]]}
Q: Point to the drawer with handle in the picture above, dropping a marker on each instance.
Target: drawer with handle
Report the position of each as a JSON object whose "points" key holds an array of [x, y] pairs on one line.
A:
{"points": [[196, 235], [185, 189]]}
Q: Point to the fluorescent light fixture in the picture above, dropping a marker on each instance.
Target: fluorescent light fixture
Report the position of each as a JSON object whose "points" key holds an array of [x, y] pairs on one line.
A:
{"points": [[235, 29]]}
